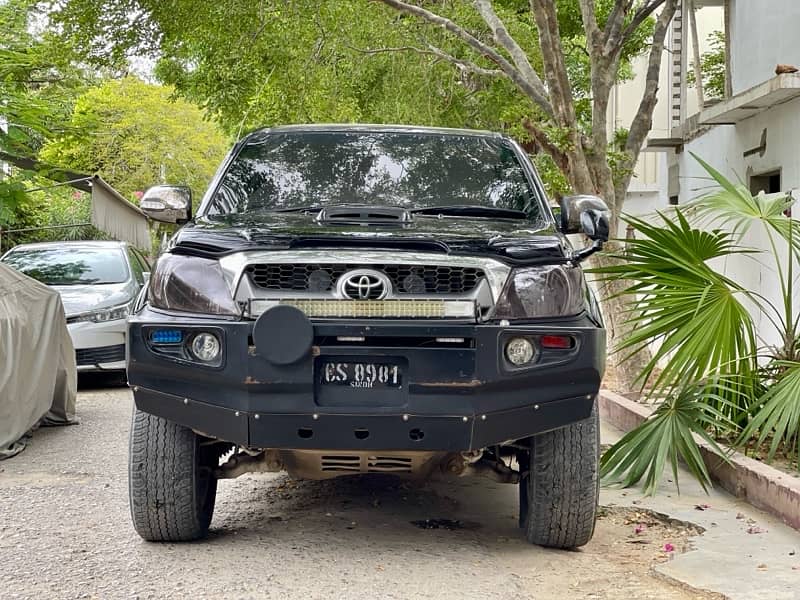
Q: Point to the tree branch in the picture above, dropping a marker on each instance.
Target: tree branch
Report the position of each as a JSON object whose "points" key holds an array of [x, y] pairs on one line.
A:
{"points": [[543, 142], [503, 38], [514, 74], [463, 65], [593, 33], [647, 9], [616, 19]]}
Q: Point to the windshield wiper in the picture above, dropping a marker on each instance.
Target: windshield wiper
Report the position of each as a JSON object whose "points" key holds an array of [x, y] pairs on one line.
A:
{"points": [[470, 210], [309, 208]]}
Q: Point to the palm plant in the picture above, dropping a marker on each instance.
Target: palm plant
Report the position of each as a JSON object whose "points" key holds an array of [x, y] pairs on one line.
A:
{"points": [[715, 371]]}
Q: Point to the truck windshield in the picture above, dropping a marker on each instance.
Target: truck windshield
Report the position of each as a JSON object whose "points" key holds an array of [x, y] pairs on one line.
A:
{"points": [[285, 170]]}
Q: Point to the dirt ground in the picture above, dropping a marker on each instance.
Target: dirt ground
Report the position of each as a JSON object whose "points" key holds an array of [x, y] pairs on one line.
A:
{"points": [[65, 533]]}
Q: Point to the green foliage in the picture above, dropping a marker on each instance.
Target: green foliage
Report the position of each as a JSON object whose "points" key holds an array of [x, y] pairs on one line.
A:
{"points": [[666, 437], [712, 67], [126, 129], [253, 64], [777, 412], [706, 334], [37, 86], [695, 314]]}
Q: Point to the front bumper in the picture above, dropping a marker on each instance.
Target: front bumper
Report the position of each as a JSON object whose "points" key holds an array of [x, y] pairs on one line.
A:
{"points": [[99, 346], [453, 398]]}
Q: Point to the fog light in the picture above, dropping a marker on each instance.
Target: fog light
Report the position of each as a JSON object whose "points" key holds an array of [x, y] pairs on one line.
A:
{"points": [[205, 346], [519, 351]]}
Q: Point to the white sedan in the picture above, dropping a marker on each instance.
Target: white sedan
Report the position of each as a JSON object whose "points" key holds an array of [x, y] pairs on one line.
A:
{"points": [[98, 283]]}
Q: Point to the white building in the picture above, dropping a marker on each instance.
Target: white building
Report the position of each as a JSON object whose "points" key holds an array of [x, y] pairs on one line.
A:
{"points": [[752, 135]]}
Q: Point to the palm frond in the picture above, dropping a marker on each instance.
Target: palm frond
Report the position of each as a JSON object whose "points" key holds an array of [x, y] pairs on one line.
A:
{"points": [[668, 436], [735, 207], [696, 315], [777, 412]]}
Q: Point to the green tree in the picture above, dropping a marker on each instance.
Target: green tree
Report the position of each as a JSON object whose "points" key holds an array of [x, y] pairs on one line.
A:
{"points": [[712, 67], [37, 88], [131, 133]]}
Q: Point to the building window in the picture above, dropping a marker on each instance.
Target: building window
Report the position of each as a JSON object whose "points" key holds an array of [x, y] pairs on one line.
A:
{"points": [[769, 183]]}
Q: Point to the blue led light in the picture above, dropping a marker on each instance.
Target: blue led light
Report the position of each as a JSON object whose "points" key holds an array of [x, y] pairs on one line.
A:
{"points": [[166, 336]]}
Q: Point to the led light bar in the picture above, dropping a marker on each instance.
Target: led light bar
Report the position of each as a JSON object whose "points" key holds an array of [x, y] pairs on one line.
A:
{"points": [[166, 336], [376, 309]]}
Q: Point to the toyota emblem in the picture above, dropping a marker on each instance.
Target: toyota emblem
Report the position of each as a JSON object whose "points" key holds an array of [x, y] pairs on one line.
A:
{"points": [[364, 284]]}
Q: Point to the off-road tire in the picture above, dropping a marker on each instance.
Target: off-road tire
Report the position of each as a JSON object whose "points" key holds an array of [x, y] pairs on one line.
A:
{"points": [[171, 485], [560, 485]]}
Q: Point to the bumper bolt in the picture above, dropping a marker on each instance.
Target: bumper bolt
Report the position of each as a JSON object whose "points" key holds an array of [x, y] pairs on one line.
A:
{"points": [[535, 407], [483, 417], [186, 401], [256, 417], [136, 388], [405, 417], [236, 414], [465, 419], [315, 416]]}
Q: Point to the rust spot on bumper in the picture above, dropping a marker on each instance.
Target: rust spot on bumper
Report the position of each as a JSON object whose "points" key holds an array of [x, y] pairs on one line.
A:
{"points": [[250, 381], [452, 384]]}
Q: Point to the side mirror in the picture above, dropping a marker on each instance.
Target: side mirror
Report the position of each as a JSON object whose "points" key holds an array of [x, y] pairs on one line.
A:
{"points": [[167, 203], [145, 278], [585, 214]]}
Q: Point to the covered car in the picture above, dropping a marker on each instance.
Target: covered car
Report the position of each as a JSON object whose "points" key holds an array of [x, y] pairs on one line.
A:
{"points": [[38, 381]]}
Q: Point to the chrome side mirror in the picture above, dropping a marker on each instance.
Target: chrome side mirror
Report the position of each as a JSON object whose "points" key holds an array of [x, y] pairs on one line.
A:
{"points": [[585, 214], [167, 203]]}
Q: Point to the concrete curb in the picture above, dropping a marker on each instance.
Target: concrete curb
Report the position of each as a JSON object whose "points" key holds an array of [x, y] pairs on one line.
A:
{"points": [[759, 484]]}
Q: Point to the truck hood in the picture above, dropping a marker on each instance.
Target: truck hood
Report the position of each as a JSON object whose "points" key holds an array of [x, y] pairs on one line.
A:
{"points": [[511, 239]]}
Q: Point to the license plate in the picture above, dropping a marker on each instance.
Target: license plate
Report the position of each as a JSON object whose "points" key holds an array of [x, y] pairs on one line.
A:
{"points": [[361, 375]]}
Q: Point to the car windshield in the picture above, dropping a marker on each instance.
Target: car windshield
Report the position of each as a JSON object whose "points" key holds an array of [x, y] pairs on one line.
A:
{"points": [[281, 171], [69, 265]]}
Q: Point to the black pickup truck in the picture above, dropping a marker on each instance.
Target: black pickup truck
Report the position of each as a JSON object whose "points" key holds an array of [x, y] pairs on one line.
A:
{"points": [[369, 299]]}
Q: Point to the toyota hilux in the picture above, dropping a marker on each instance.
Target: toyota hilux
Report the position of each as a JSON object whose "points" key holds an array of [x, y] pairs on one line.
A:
{"points": [[356, 299]]}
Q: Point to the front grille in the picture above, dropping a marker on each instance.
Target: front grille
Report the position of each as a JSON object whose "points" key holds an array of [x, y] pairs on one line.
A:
{"points": [[101, 354], [406, 279]]}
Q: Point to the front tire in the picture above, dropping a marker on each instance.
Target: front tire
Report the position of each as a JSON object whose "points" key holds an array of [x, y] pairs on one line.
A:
{"points": [[560, 485], [171, 484]]}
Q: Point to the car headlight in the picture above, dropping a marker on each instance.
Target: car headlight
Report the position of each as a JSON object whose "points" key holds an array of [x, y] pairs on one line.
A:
{"points": [[190, 284], [115, 313], [544, 291]]}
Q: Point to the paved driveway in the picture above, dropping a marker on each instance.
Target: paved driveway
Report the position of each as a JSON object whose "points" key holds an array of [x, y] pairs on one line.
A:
{"points": [[65, 533]]}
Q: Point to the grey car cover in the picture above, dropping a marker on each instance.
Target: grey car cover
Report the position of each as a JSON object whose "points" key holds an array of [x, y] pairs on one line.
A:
{"points": [[38, 377]]}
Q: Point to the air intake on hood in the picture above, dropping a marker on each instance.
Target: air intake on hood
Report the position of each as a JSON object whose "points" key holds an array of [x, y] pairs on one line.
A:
{"points": [[379, 215]]}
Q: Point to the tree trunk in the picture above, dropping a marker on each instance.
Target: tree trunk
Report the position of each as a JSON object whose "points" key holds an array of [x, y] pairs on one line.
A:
{"points": [[621, 373]]}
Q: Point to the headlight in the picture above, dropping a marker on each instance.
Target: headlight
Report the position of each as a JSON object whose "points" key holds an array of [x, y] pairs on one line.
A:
{"points": [[190, 284], [114, 313], [545, 291]]}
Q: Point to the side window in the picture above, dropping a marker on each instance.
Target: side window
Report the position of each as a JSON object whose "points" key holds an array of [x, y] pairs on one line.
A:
{"points": [[136, 267]]}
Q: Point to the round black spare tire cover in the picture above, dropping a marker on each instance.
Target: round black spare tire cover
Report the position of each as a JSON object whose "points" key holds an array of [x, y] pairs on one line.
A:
{"points": [[283, 335]]}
